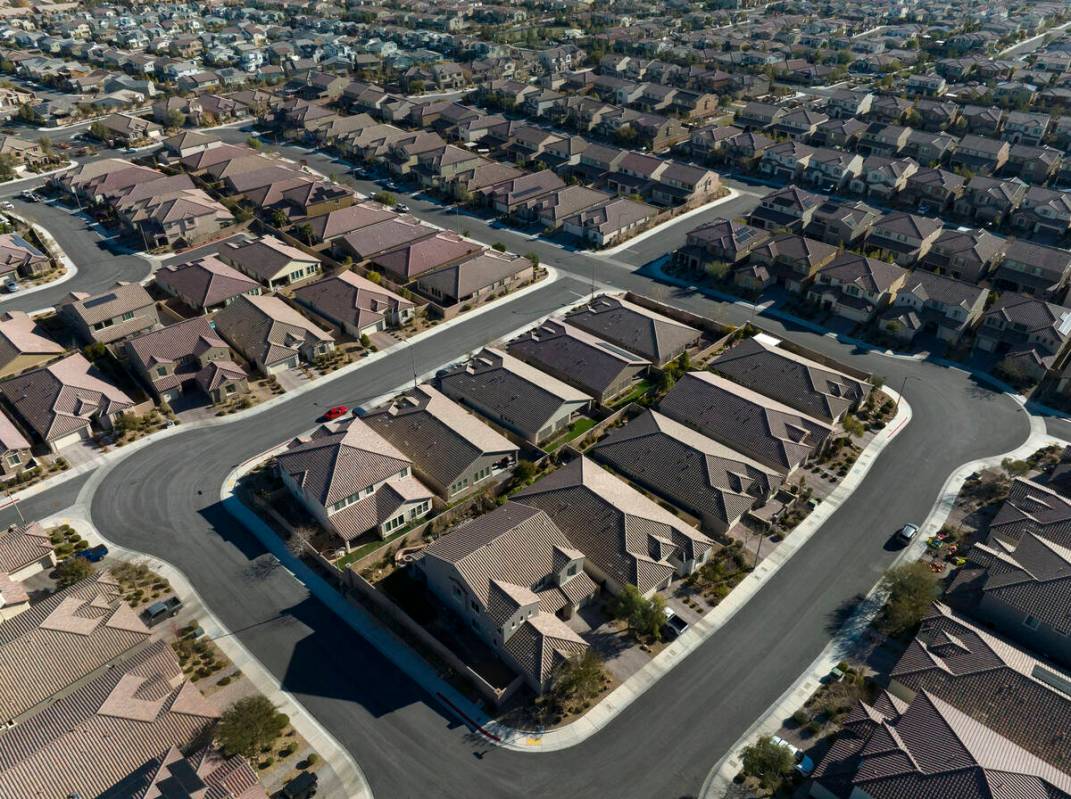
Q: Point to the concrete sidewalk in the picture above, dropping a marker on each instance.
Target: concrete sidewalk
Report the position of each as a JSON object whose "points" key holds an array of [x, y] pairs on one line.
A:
{"points": [[721, 776]]}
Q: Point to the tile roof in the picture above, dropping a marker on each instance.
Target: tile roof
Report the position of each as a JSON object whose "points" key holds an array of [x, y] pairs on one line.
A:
{"points": [[519, 395], [634, 327], [1023, 698], [21, 335], [808, 386], [351, 299], [122, 298], [61, 398], [755, 425], [465, 278], [21, 545], [206, 281], [414, 258], [622, 532], [263, 258], [585, 360], [686, 468], [386, 235], [60, 639], [441, 438], [346, 220], [205, 774], [267, 328], [97, 735]]}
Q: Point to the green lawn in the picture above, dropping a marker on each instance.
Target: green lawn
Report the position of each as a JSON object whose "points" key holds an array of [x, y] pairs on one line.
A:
{"points": [[579, 427], [638, 390], [359, 552]]}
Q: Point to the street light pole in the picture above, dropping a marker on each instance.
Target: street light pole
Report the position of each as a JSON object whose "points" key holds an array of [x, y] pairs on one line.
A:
{"points": [[903, 386]]}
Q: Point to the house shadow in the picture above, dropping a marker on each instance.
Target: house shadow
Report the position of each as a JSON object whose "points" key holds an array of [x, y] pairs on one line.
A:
{"points": [[304, 640]]}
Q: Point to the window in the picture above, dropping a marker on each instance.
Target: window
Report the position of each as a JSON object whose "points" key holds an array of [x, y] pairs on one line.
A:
{"points": [[404, 472], [161, 371], [1031, 622], [571, 570], [14, 459], [128, 316]]}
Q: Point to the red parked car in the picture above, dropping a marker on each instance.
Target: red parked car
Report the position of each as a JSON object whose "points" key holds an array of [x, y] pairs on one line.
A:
{"points": [[334, 413]]}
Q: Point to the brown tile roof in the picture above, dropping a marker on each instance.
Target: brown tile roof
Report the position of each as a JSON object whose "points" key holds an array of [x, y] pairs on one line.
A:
{"points": [[386, 235], [21, 335], [465, 278], [61, 398], [441, 438], [206, 281], [346, 220], [623, 533], [264, 257], [22, 545], [761, 428], [808, 386], [1021, 697], [655, 337], [351, 299], [414, 258], [265, 327], [90, 739], [122, 298], [686, 468]]}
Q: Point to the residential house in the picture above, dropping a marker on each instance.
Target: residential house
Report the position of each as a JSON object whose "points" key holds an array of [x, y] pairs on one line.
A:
{"points": [[786, 161], [708, 480], [513, 575], [1026, 333], [833, 170], [354, 305], [170, 361], [973, 761], [1034, 270], [204, 284], [991, 200], [110, 316], [378, 238], [789, 208], [1017, 696], [639, 330], [25, 550], [979, 155], [764, 365], [514, 395], [594, 366], [884, 177], [610, 221], [1026, 127], [1033, 164], [62, 402], [856, 287], [476, 278], [341, 221], [754, 425], [627, 538], [934, 304], [1045, 211], [964, 254], [270, 334], [23, 344], [789, 260], [353, 481], [412, 259], [720, 240], [905, 237], [842, 223], [930, 187], [451, 450], [269, 261], [127, 130]]}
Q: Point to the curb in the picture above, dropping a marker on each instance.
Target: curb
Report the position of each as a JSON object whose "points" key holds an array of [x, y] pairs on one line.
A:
{"points": [[721, 775]]}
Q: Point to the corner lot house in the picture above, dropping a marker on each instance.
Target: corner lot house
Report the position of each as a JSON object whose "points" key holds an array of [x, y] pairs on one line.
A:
{"points": [[514, 575], [646, 333], [270, 334], [354, 305], [819, 391], [712, 482], [628, 539], [25, 550], [61, 402], [594, 366], [111, 316], [353, 481], [514, 395], [476, 278], [18, 255], [269, 261], [15, 452], [761, 428], [452, 451]]}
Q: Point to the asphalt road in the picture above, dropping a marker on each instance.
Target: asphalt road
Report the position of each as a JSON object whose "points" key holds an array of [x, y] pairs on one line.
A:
{"points": [[164, 500]]}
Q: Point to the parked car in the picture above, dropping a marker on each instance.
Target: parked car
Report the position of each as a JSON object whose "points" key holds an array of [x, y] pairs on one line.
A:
{"points": [[11, 285], [7, 206], [164, 609], [93, 554], [336, 412], [303, 786], [804, 764], [907, 533], [674, 625], [401, 208]]}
